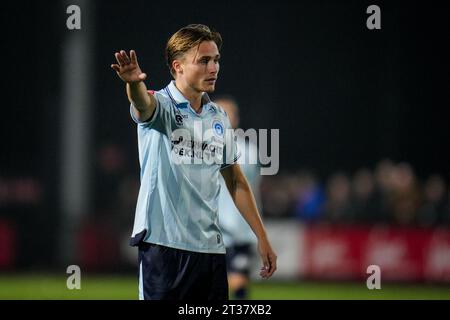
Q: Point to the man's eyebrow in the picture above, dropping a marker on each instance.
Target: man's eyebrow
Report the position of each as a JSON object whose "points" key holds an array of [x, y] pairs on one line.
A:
{"points": [[209, 57]]}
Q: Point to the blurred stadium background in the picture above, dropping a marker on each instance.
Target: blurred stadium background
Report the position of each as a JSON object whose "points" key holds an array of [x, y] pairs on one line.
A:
{"points": [[364, 161]]}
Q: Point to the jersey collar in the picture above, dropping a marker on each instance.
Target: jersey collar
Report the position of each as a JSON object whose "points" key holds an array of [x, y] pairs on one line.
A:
{"points": [[181, 102]]}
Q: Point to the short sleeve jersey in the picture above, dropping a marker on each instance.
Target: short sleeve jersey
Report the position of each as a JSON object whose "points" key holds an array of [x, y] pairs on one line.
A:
{"points": [[181, 154]]}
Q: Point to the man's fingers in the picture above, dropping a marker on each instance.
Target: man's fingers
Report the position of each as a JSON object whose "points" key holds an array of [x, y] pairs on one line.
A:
{"points": [[263, 272], [269, 265], [266, 266], [123, 59], [119, 59], [115, 67], [125, 56], [133, 56], [273, 265]]}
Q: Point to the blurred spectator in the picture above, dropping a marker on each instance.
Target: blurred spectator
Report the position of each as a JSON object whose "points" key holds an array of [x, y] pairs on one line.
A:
{"points": [[446, 218], [338, 206], [433, 210], [100, 232], [383, 190], [110, 171], [310, 198], [274, 198], [18, 191], [391, 194], [405, 197], [365, 205]]}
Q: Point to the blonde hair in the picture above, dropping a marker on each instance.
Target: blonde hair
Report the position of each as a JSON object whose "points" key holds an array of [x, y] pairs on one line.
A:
{"points": [[186, 38]]}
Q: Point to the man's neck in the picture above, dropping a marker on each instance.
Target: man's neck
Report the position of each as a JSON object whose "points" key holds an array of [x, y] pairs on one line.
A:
{"points": [[194, 97]]}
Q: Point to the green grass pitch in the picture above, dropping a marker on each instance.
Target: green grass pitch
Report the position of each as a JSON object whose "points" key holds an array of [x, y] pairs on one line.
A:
{"points": [[125, 287]]}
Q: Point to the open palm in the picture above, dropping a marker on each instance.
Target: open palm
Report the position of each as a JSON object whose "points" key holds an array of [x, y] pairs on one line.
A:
{"points": [[128, 68]]}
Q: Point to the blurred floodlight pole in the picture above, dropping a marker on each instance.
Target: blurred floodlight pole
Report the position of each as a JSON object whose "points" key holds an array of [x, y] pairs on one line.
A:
{"points": [[76, 133]]}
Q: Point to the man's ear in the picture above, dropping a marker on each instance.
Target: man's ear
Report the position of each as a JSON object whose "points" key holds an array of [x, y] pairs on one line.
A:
{"points": [[176, 65]]}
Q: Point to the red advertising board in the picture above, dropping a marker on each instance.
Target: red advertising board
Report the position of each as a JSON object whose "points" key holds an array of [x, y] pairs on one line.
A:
{"points": [[403, 254], [7, 245]]}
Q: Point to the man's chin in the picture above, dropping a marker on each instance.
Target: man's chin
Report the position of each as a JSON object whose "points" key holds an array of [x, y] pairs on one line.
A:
{"points": [[209, 89]]}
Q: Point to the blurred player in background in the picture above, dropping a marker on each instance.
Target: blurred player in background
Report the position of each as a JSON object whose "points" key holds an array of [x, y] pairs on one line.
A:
{"points": [[181, 251], [238, 237]]}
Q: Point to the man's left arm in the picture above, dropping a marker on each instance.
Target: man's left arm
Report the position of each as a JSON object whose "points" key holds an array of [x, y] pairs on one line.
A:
{"points": [[244, 200]]}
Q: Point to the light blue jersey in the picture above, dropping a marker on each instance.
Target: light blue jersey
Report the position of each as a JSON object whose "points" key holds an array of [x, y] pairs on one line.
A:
{"points": [[181, 154], [235, 229]]}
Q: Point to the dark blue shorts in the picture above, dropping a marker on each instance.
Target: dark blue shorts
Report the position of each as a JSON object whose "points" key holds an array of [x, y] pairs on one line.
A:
{"points": [[174, 274], [239, 258]]}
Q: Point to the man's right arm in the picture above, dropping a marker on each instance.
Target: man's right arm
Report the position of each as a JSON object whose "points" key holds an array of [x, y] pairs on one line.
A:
{"points": [[144, 104]]}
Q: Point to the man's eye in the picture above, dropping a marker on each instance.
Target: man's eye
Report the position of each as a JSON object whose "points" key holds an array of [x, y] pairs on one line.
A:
{"points": [[204, 61]]}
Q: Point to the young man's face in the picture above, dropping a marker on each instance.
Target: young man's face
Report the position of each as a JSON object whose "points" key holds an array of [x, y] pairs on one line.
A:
{"points": [[200, 67]]}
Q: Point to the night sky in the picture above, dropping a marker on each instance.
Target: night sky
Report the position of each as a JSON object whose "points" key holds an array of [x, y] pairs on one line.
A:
{"points": [[343, 96]]}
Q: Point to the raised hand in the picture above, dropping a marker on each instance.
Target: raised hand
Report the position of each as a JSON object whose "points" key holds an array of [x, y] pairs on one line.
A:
{"points": [[128, 68]]}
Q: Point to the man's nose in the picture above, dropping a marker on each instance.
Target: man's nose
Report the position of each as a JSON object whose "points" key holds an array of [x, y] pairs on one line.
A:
{"points": [[213, 67]]}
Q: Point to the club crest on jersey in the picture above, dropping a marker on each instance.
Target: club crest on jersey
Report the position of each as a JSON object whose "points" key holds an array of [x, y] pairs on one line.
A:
{"points": [[179, 119], [218, 128]]}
